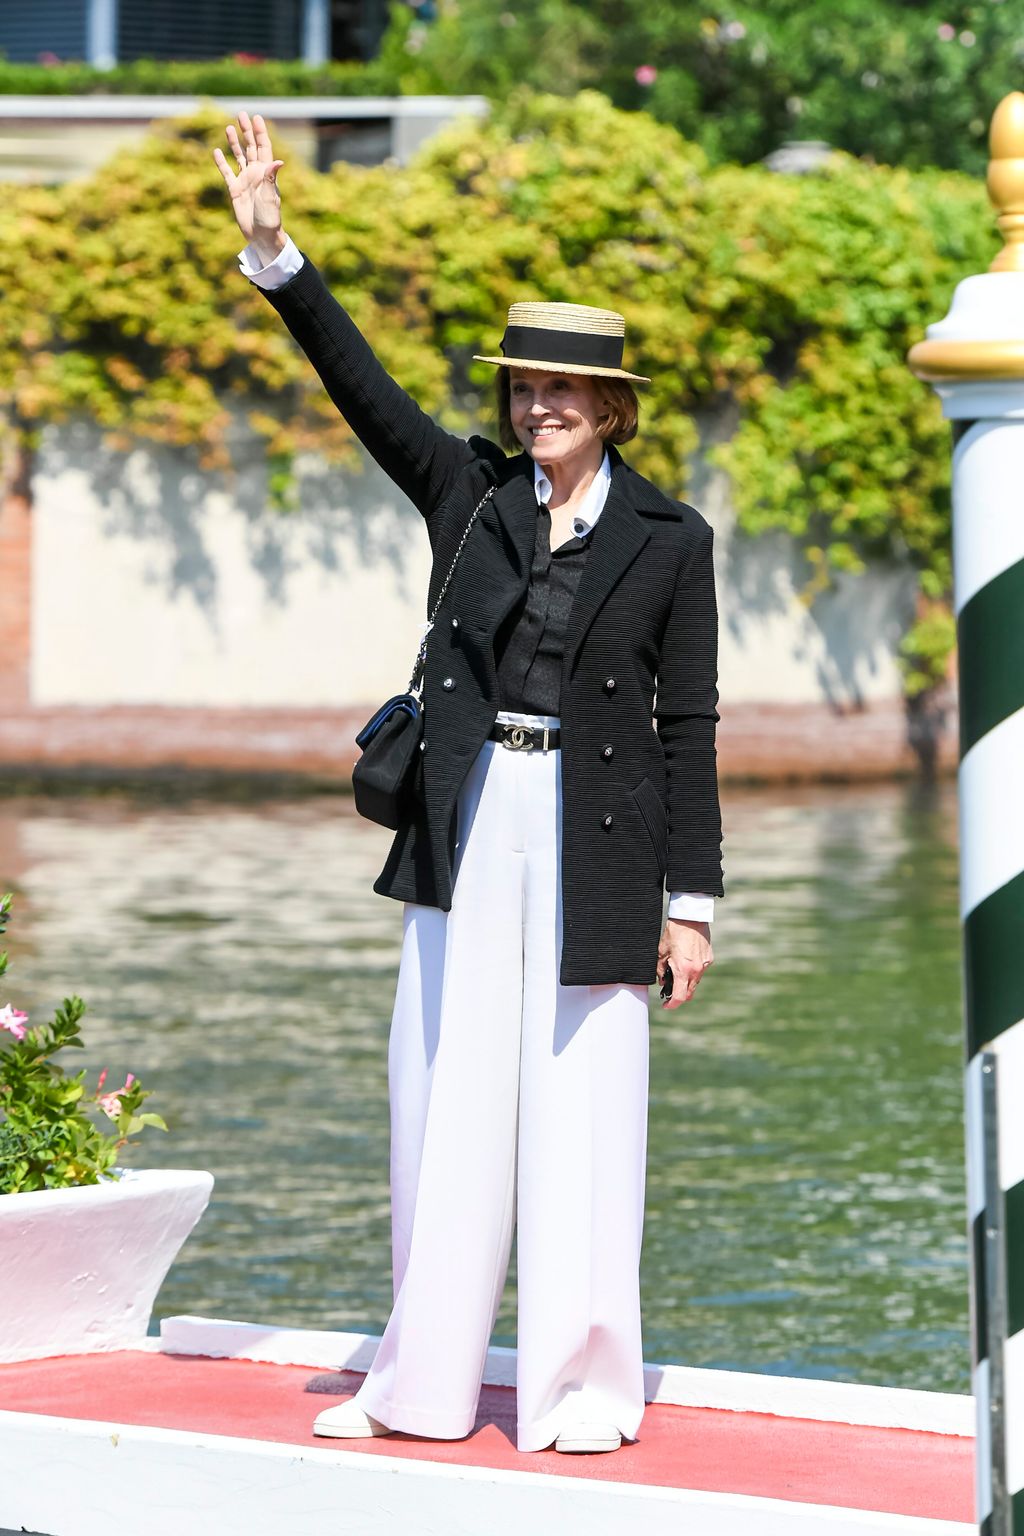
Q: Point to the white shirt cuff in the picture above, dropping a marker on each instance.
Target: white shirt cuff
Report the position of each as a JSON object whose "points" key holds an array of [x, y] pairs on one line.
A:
{"points": [[284, 265], [693, 905]]}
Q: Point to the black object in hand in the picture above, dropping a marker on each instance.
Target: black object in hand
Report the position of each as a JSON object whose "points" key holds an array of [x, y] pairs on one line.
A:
{"points": [[667, 982]]}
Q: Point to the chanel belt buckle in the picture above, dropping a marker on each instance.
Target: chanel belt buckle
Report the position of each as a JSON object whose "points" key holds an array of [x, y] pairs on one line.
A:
{"points": [[518, 738]]}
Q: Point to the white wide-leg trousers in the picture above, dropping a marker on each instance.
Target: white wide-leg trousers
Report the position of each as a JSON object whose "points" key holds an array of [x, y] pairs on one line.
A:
{"points": [[514, 1100]]}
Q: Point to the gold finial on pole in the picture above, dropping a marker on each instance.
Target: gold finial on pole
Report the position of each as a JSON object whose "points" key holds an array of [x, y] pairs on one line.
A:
{"points": [[1006, 180], [982, 337]]}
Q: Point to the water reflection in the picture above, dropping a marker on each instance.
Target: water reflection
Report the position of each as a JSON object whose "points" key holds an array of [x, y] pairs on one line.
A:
{"points": [[805, 1184]]}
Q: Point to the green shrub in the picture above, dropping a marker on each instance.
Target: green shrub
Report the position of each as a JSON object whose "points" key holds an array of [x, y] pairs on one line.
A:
{"points": [[912, 84], [231, 76]]}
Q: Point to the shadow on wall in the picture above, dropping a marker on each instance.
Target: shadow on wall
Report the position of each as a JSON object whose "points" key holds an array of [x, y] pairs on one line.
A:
{"points": [[158, 583], [841, 650], [348, 520]]}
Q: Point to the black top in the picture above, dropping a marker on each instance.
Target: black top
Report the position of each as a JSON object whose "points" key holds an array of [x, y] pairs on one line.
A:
{"points": [[528, 646]]}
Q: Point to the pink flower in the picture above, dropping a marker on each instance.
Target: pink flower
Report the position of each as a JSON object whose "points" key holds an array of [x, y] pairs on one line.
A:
{"points": [[110, 1103], [14, 1021], [645, 74], [946, 32]]}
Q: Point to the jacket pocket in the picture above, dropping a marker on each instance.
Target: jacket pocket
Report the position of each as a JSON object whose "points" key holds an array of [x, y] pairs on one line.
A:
{"points": [[652, 810]]}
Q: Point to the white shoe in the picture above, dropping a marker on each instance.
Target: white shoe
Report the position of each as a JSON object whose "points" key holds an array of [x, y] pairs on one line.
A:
{"points": [[589, 1437], [348, 1421]]}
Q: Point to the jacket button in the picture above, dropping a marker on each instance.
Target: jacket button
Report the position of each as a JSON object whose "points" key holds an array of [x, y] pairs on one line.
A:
{"points": [[609, 686], [608, 751], [448, 684], [423, 744], [606, 822], [455, 623]]}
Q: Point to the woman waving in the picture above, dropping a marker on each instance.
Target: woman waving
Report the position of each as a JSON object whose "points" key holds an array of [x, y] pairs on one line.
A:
{"points": [[568, 785]]}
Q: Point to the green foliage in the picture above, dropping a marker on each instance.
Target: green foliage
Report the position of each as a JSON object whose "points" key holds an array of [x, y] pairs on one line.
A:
{"points": [[792, 299], [911, 84], [47, 1139], [927, 646], [235, 75], [839, 274], [486, 46]]}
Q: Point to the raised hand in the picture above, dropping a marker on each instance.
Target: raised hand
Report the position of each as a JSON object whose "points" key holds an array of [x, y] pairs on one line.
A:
{"points": [[255, 200]]}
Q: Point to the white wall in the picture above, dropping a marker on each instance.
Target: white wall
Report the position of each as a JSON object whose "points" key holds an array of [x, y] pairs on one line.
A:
{"points": [[840, 650], [155, 583]]}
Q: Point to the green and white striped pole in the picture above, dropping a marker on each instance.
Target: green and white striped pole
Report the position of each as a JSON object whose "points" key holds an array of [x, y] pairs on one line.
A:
{"points": [[975, 360]]}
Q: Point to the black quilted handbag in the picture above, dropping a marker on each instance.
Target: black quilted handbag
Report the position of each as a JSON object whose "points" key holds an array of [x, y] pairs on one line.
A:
{"points": [[387, 777]]}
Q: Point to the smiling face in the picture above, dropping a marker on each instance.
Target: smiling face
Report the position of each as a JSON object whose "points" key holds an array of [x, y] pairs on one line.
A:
{"points": [[555, 415]]}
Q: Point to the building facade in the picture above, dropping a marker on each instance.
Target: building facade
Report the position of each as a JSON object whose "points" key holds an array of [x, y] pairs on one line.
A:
{"points": [[108, 32]]}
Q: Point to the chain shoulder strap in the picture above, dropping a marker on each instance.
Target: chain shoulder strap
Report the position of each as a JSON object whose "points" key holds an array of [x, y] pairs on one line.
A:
{"points": [[416, 680]]}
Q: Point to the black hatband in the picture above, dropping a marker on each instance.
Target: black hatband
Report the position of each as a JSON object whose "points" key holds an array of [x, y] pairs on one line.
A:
{"points": [[544, 346]]}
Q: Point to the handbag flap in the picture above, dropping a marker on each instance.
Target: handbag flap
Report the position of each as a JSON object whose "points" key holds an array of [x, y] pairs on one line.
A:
{"points": [[399, 701]]}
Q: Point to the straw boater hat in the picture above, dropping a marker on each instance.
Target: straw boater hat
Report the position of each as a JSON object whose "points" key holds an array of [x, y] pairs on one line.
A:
{"points": [[564, 338]]}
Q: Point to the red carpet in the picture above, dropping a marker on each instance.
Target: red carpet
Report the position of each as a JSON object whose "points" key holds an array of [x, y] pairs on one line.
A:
{"points": [[900, 1471]]}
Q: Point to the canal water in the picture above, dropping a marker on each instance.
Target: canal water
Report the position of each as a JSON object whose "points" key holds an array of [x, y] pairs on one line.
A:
{"points": [[805, 1209]]}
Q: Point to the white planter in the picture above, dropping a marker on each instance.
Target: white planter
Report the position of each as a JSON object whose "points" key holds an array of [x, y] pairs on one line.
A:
{"points": [[80, 1268]]}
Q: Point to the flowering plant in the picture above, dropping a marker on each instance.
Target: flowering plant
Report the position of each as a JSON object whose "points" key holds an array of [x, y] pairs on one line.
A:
{"points": [[47, 1140]]}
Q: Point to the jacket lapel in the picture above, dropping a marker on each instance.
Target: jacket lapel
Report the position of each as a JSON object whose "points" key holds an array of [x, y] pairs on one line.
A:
{"points": [[617, 539], [514, 507]]}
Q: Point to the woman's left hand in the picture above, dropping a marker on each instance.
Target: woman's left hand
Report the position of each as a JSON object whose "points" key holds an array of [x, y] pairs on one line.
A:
{"points": [[686, 945]]}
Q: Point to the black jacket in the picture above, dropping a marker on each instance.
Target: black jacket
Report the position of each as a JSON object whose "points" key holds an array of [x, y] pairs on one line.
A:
{"points": [[644, 622]]}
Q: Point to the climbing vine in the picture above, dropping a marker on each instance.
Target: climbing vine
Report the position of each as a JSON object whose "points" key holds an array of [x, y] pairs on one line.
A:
{"points": [[796, 298]]}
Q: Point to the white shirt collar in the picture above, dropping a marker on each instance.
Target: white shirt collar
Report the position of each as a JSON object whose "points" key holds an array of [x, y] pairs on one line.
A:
{"points": [[586, 515]]}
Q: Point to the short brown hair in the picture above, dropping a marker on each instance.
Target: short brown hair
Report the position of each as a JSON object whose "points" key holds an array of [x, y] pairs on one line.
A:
{"points": [[617, 425]]}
